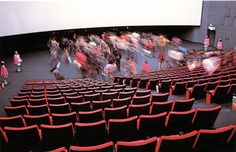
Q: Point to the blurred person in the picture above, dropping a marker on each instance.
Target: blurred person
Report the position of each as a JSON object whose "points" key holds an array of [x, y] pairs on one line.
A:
{"points": [[4, 73], [17, 61], [132, 66], [109, 70], [206, 43], [161, 58], [211, 64], [219, 44], [146, 67]]}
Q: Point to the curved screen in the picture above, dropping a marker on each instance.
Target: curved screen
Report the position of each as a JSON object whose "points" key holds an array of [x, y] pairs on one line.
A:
{"points": [[18, 17]]}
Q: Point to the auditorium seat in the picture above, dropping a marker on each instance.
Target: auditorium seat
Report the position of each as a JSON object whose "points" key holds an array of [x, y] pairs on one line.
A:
{"points": [[130, 89], [57, 100], [213, 140], [90, 116], [143, 92], [106, 147], [14, 111], [38, 119], [160, 97], [70, 94], [54, 136], [141, 99], [115, 113], [19, 102], [140, 109], [152, 125], [59, 108], [101, 104], [134, 82], [126, 94], [211, 85], [37, 101], [177, 122], [23, 138], [109, 95], [60, 119], [61, 149], [91, 134], [83, 106], [152, 84], [204, 118], [38, 109], [183, 104], [13, 121], [164, 85], [143, 83], [123, 129], [159, 107], [178, 89], [218, 95], [74, 99], [197, 91], [92, 97], [147, 145], [121, 102], [176, 143]]}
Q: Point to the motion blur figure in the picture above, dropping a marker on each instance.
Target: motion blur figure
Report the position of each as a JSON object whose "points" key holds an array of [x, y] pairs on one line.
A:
{"points": [[206, 43], [4, 74], [146, 67], [161, 58], [211, 64], [17, 61], [219, 44]]}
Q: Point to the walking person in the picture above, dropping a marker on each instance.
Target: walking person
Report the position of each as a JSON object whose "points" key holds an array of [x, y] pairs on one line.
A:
{"points": [[4, 74], [219, 44], [17, 61], [206, 43]]}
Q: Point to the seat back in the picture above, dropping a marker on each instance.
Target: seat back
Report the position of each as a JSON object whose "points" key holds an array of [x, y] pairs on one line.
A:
{"points": [[109, 95], [174, 143], [106, 147], [183, 105], [179, 88], [199, 91], [92, 97], [91, 134], [148, 145], [14, 111], [141, 109], [123, 129], [58, 100], [29, 134], [160, 97], [60, 119], [165, 85], [143, 92], [152, 125], [83, 106], [59, 108], [121, 102], [90, 116], [115, 113], [37, 119], [126, 94], [141, 99], [101, 104], [19, 102], [75, 99], [159, 107], [205, 118], [38, 109], [143, 82], [54, 136], [13, 121]]}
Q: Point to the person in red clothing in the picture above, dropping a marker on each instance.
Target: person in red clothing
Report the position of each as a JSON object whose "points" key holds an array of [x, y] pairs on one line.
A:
{"points": [[161, 58], [146, 67], [4, 73]]}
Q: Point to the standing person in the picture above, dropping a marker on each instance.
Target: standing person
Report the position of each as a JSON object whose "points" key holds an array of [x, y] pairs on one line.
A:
{"points": [[132, 66], [109, 70], [4, 73], [161, 58], [146, 67], [124, 66], [219, 44], [206, 42], [17, 61]]}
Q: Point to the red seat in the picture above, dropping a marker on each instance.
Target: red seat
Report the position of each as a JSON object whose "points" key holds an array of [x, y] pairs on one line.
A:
{"points": [[19, 102], [14, 111], [121, 102], [38, 119], [91, 134], [92, 97], [123, 129], [59, 108], [61, 149], [13, 121], [178, 89], [176, 143], [197, 91], [183, 105], [213, 140], [101, 104], [160, 97], [143, 83], [159, 107], [38, 110], [164, 85], [60, 119], [148, 145], [219, 95], [83, 106], [126, 94], [179, 121], [109, 95], [143, 92], [204, 118], [58, 100], [22, 138], [90, 116], [141, 109], [54, 136], [152, 125], [115, 113], [75, 99], [38, 101], [106, 147], [141, 99]]}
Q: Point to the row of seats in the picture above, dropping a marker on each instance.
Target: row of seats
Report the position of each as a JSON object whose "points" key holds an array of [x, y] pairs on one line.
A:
{"points": [[140, 105], [156, 124], [51, 137]]}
